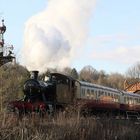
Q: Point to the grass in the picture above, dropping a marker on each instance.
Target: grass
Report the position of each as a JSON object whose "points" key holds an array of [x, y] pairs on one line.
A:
{"points": [[62, 127]]}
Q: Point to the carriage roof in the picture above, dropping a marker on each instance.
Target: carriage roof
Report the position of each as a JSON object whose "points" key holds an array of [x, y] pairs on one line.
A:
{"points": [[87, 84], [61, 76]]}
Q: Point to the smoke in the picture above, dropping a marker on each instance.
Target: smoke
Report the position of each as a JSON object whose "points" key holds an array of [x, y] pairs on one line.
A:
{"points": [[53, 37]]}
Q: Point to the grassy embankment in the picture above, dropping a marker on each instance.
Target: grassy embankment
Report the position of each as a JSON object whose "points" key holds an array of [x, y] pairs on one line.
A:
{"points": [[66, 128]]}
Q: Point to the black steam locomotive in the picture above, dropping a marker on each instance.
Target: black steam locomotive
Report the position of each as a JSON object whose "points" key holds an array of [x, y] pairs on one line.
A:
{"points": [[45, 96]]}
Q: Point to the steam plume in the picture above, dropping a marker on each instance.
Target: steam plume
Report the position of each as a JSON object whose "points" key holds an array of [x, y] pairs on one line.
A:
{"points": [[53, 36]]}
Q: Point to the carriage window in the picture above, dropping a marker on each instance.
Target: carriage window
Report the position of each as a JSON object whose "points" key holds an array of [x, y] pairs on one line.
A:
{"points": [[83, 92], [88, 93], [135, 101], [117, 98], [92, 95], [91, 91], [100, 94], [125, 99], [130, 100], [96, 93]]}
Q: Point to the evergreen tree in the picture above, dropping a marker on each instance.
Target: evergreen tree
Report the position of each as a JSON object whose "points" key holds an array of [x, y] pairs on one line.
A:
{"points": [[74, 73]]}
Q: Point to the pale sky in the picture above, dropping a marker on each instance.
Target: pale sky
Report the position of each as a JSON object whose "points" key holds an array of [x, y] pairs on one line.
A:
{"points": [[113, 42]]}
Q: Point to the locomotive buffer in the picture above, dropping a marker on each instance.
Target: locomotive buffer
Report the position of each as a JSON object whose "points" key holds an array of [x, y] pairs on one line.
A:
{"points": [[6, 54]]}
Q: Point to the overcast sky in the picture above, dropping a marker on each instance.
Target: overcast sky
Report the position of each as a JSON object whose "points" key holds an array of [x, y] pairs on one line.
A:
{"points": [[113, 42]]}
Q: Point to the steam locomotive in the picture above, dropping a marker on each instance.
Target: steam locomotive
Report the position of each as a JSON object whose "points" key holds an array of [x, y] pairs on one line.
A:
{"points": [[60, 91]]}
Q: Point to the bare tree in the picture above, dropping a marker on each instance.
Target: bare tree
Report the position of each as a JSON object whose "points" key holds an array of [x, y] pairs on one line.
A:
{"points": [[102, 79], [88, 73], [116, 80], [134, 71]]}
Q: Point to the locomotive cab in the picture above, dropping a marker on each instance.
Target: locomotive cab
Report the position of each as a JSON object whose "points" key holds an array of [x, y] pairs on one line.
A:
{"points": [[65, 88]]}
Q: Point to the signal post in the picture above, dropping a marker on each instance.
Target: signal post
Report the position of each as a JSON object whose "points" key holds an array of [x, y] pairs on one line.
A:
{"points": [[6, 54]]}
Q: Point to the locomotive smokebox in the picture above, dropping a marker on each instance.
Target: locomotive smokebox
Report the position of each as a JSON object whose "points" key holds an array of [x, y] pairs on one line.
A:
{"points": [[34, 74]]}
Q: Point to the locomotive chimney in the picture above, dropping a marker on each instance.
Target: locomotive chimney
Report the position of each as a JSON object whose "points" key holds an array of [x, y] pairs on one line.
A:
{"points": [[34, 74]]}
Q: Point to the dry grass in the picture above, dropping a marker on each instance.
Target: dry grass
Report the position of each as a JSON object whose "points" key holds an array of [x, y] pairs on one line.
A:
{"points": [[61, 127]]}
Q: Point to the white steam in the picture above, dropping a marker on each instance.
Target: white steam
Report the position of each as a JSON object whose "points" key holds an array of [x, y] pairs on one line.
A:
{"points": [[54, 36]]}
